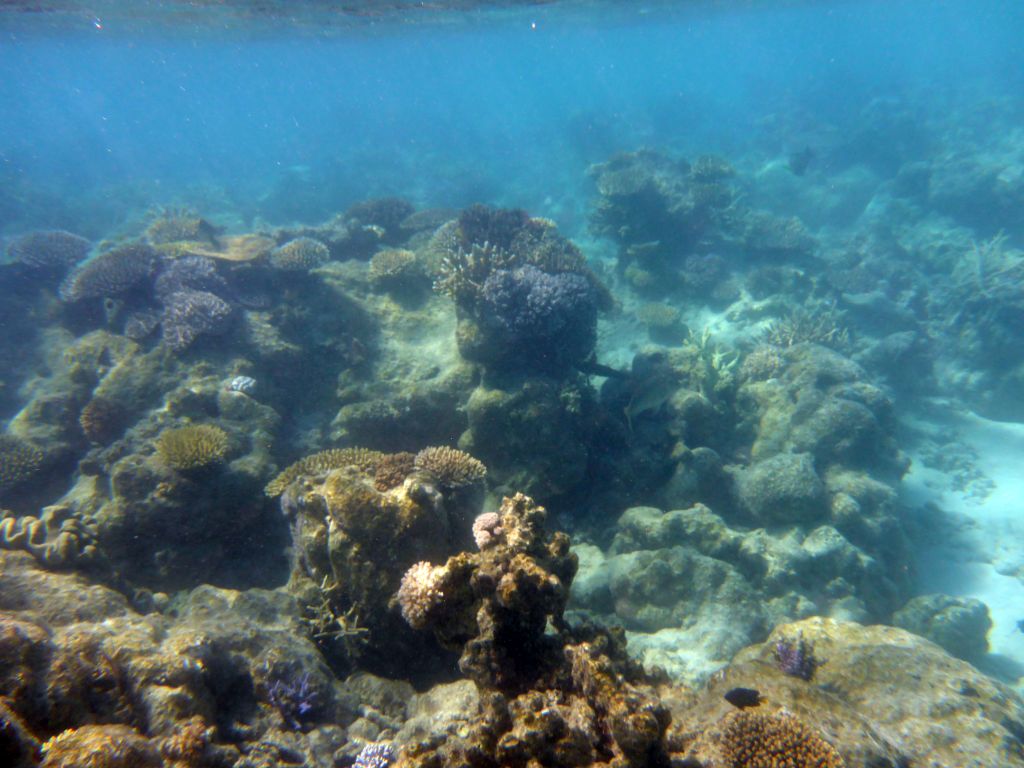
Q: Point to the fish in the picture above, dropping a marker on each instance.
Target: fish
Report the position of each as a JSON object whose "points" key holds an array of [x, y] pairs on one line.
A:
{"points": [[799, 161], [649, 394], [742, 698]]}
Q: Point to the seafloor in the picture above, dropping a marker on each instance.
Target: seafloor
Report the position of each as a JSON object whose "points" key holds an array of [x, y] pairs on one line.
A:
{"points": [[716, 483]]}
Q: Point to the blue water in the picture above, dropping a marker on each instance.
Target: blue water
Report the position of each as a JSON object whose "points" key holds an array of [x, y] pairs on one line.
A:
{"points": [[281, 119]]}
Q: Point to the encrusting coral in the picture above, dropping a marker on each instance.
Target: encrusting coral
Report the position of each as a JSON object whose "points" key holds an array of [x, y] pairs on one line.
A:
{"points": [[192, 447]]}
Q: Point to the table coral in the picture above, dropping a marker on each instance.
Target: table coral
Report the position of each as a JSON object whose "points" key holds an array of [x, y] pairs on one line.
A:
{"points": [[50, 250], [449, 467], [110, 273]]}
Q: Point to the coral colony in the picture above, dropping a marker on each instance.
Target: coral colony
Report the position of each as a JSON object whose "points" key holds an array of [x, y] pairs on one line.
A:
{"points": [[795, 657]]}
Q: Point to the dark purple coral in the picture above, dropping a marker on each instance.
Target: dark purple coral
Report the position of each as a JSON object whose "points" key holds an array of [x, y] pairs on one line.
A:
{"points": [[189, 314], [196, 273], [110, 273], [50, 251], [795, 657], [296, 699], [547, 318]]}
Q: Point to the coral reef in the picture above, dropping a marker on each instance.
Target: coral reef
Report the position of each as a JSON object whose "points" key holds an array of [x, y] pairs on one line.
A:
{"points": [[322, 462], [193, 447], [189, 314], [110, 273], [300, 254], [449, 467], [49, 251], [761, 740], [19, 461]]}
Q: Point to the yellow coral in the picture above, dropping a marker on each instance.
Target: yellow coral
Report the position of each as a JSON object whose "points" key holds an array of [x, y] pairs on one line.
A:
{"points": [[302, 253], [192, 447], [450, 467], [100, 746], [19, 460], [753, 739], [363, 459]]}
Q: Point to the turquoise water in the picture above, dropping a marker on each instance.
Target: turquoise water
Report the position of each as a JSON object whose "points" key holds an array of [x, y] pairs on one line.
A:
{"points": [[310, 310]]}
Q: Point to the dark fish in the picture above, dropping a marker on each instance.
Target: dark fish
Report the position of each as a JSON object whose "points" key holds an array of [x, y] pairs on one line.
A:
{"points": [[742, 698], [798, 161]]}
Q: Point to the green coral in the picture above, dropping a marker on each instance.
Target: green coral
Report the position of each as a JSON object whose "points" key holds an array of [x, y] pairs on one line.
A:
{"points": [[192, 447], [19, 460]]}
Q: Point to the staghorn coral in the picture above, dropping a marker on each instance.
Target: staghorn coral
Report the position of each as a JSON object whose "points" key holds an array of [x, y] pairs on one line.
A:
{"points": [[19, 461], [50, 250], [755, 739], [100, 746], [463, 271], [449, 467], [805, 326], [192, 447], [419, 593], [363, 459], [102, 420], [110, 273], [189, 314], [300, 254]]}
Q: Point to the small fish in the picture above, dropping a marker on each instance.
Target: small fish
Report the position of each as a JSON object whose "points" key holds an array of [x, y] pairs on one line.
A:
{"points": [[742, 698]]}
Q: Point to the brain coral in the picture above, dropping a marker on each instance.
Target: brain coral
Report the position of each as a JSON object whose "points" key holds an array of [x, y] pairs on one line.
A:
{"points": [[19, 460], [450, 467], [192, 447], [302, 253], [110, 273], [50, 250], [363, 459], [753, 739]]}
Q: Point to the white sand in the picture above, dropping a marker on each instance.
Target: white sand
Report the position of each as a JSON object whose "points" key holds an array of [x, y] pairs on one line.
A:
{"points": [[977, 550]]}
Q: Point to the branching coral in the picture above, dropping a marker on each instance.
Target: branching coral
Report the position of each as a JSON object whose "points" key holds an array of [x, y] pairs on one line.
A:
{"points": [[449, 467], [19, 461], [395, 265], [420, 593], [192, 447], [189, 314], [52, 250], [392, 470], [318, 463], [300, 254], [110, 273], [754, 739], [803, 326], [173, 225]]}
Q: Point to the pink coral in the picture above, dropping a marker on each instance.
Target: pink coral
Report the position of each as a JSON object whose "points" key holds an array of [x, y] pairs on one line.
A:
{"points": [[419, 593], [487, 529]]}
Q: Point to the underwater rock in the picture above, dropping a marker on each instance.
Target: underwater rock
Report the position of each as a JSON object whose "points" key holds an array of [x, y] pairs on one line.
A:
{"points": [[341, 523], [782, 489], [959, 625], [534, 434]]}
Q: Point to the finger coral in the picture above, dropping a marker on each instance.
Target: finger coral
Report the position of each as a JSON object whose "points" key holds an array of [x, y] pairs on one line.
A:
{"points": [[19, 460], [54, 250], [110, 273], [450, 467], [192, 447], [362, 458], [754, 739], [302, 253]]}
